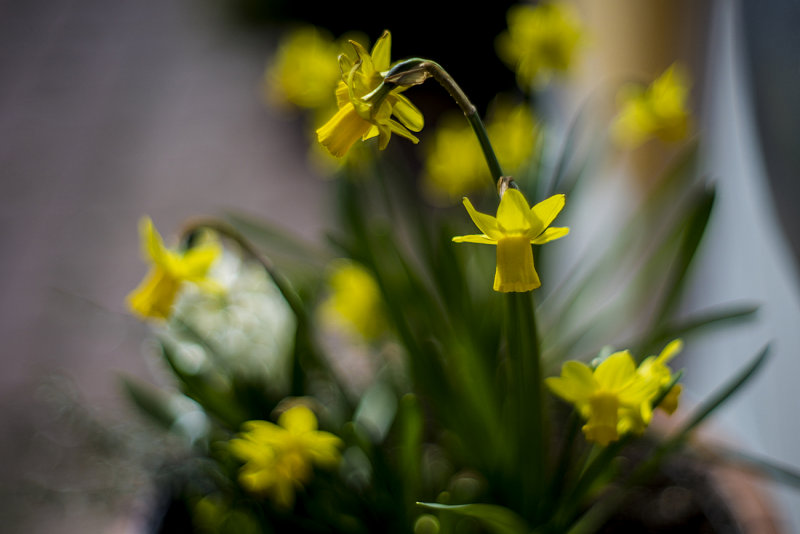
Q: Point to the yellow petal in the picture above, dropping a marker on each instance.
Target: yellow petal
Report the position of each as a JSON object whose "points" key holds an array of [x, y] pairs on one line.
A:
{"points": [[155, 295], [152, 244], [475, 238], [575, 384], [512, 214], [616, 371], [381, 52], [344, 129], [298, 419], [547, 210], [401, 130], [550, 234], [408, 114], [515, 272], [669, 352], [485, 223], [601, 428]]}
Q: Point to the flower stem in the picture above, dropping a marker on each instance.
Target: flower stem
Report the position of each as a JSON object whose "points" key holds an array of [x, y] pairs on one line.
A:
{"points": [[416, 70]]}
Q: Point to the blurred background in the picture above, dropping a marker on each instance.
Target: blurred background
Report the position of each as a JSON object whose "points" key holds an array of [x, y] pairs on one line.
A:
{"points": [[111, 110]]}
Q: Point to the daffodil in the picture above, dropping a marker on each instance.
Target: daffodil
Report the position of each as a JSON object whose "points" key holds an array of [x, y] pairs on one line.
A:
{"points": [[515, 228], [655, 369], [659, 110], [613, 398], [541, 41], [279, 459], [303, 71], [355, 300], [157, 292], [366, 106]]}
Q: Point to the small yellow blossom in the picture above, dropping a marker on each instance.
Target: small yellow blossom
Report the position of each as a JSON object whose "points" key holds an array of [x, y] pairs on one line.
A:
{"points": [[279, 459], [541, 41], [454, 165], [515, 228], [355, 300], [659, 111], [614, 398], [363, 112], [157, 292], [655, 368], [304, 71]]}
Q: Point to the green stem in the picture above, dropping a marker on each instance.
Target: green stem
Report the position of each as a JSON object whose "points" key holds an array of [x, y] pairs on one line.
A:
{"points": [[528, 412], [416, 70]]}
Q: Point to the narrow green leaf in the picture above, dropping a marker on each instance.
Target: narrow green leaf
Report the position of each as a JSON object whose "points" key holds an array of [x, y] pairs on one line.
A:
{"points": [[692, 324], [788, 475], [277, 240], [722, 395], [695, 229], [496, 519]]}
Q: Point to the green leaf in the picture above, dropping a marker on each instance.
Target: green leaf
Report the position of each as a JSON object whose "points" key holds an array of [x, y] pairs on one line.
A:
{"points": [[496, 519], [692, 324], [723, 394], [788, 475]]}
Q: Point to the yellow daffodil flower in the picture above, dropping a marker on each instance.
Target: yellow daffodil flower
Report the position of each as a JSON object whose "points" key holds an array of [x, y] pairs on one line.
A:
{"points": [[454, 165], [157, 292], [655, 368], [658, 111], [364, 112], [614, 398], [304, 71], [541, 41], [279, 459], [354, 301], [515, 228]]}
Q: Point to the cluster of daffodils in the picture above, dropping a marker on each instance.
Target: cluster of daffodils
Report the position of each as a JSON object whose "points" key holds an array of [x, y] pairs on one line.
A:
{"points": [[617, 397], [280, 459], [658, 111], [366, 105]]}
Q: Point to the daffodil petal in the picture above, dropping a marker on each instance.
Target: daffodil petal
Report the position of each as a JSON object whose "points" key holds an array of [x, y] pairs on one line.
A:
{"points": [[381, 52], [344, 129], [401, 130], [152, 244], [512, 214], [669, 352], [408, 114], [485, 223], [550, 234], [547, 210], [298, 419], [475, 238], [575, 384], [342, 95], [615, 371]]}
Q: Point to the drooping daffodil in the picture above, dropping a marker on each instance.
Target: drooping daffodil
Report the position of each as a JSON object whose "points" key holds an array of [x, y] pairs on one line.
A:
{"points": [[364, 112], [541, 41], [658, 111], [613, 398], [279, 459], [516, 227], [156, 294]]}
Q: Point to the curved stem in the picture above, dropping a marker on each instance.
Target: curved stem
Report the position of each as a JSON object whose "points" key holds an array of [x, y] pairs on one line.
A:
{"points": [[416, 70]]}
